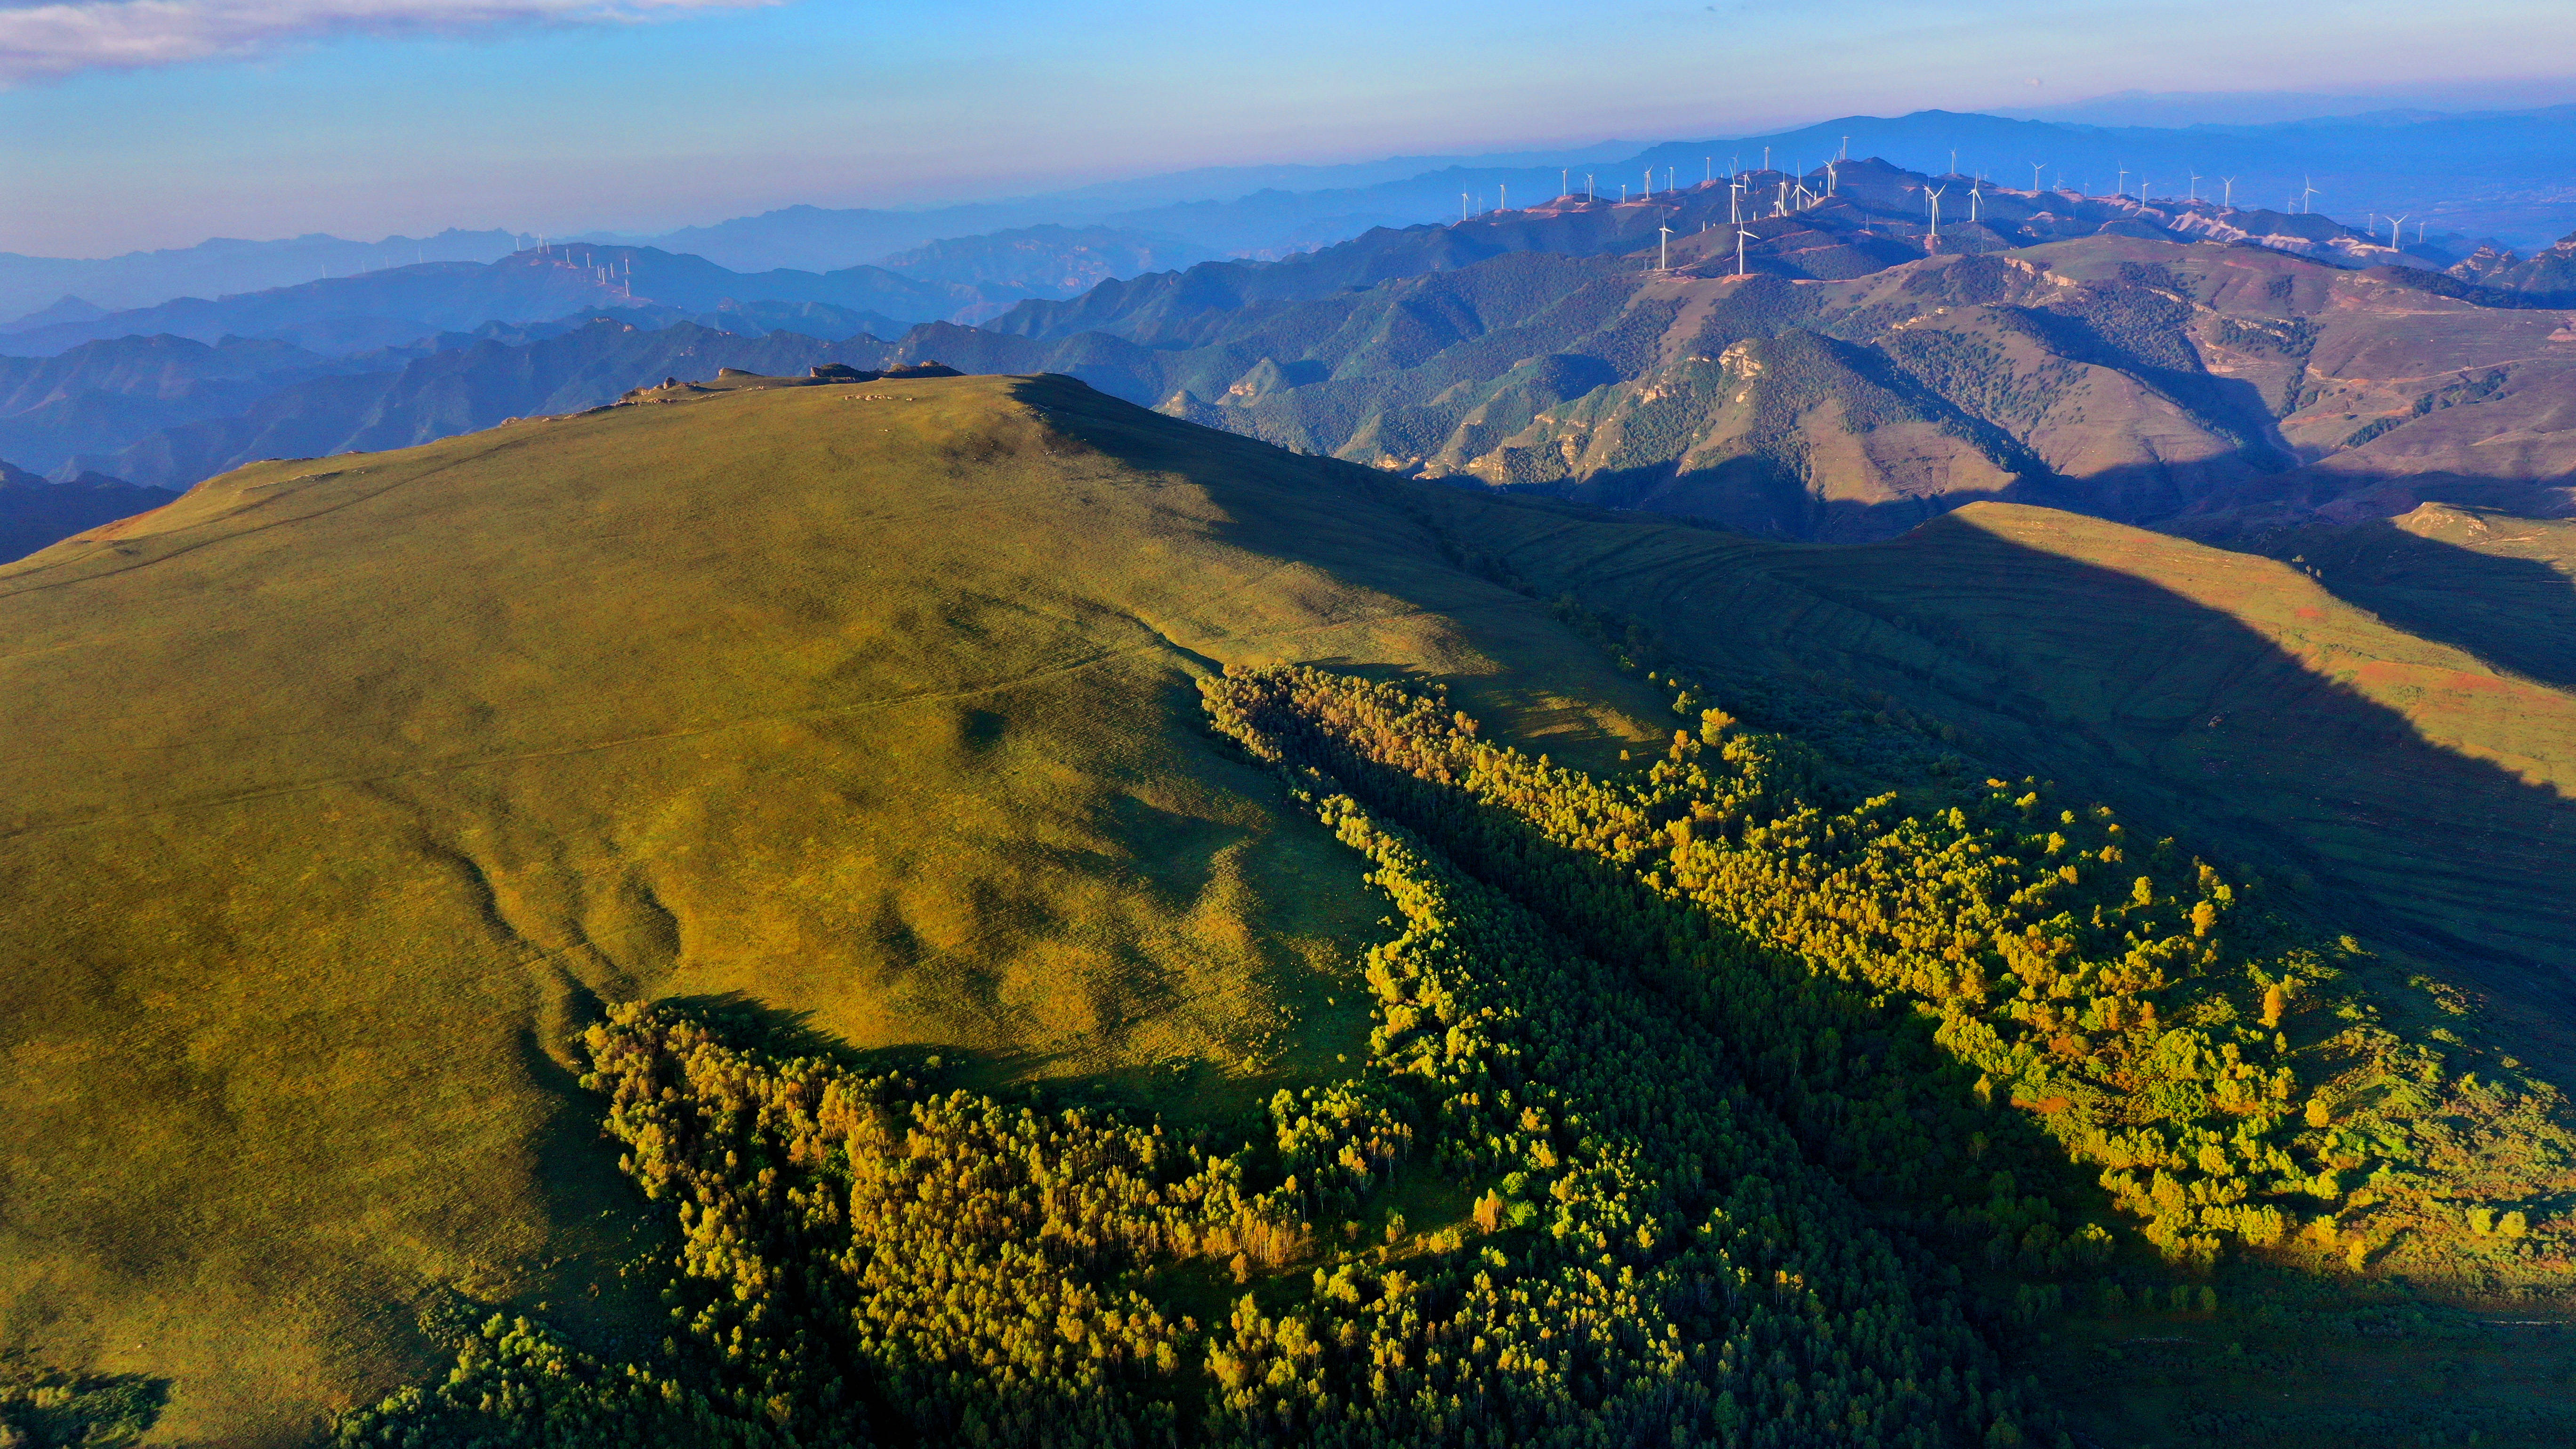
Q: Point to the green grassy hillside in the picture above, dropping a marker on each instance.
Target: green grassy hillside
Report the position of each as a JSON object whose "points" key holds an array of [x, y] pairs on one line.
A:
{"points": [[355, 782], [796, 775]]}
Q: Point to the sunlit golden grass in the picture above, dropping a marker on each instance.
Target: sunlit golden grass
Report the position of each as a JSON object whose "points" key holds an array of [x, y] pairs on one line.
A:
{"points": [[336, 793]]}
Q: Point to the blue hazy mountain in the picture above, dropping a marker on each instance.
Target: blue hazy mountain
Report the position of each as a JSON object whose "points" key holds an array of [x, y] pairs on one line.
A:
{"points": [[2488, 175], [343, 315], [215, 268]]}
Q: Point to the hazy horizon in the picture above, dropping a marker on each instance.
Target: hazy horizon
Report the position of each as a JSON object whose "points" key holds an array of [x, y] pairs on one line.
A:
{"points": [[164, 124]]}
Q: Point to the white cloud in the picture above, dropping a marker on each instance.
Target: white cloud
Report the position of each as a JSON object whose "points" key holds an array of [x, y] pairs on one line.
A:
{"points": [[51, 40]]}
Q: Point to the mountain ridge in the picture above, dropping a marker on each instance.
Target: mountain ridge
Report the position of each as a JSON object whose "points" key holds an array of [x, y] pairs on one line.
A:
{"points": [[1267, 211], [1265, 347]]}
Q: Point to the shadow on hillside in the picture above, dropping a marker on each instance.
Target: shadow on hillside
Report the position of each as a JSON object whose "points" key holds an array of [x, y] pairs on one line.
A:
{"points": [[1756, 496], [40, 1409], [746, 1021], [2200, 726], [2514, 613], [2185, 720]]}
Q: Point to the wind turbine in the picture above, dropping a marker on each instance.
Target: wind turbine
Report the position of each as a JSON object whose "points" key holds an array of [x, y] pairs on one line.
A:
{"points": [[2307, 195], [1462, 208], [2121, 186], [1735, 203], [1766, 158], [1587, 186], [1739, 251], [1933, 196], [1664, 250], [2396, 238], [1972, 201], [2229, 199], [2035, 168], [2195, 184], [1846, 156], [1565, 181]]}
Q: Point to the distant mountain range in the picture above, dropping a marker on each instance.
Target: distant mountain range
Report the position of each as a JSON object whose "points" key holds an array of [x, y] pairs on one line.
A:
{"points": [[2093, 353], [34, 512], [381, 309], [1252, 210], [461, 390], [2201, 369], [2495, 175], [34, 285], [2498, 177], [1044, 261], [806, 238], [79, 410]]}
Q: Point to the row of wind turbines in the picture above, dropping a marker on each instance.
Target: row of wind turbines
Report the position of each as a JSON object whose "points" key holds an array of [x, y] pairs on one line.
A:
{"points": [[1794, 194]]}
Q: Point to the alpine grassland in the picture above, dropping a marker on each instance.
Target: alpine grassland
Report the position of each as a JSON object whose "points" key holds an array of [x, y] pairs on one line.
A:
{"points": [[957, 910], [343, 791]]}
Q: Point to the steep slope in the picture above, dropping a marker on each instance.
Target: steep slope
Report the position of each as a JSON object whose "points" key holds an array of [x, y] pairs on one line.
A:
{"points": [[1793, 406], [355, 783], [2545, 279]]}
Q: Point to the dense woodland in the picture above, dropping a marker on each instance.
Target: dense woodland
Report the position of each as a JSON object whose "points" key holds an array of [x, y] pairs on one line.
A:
{"points": [[1739, 1104]]}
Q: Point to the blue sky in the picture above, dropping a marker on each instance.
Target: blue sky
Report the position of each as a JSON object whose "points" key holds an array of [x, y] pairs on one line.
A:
{"points": [[143, 123]]}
